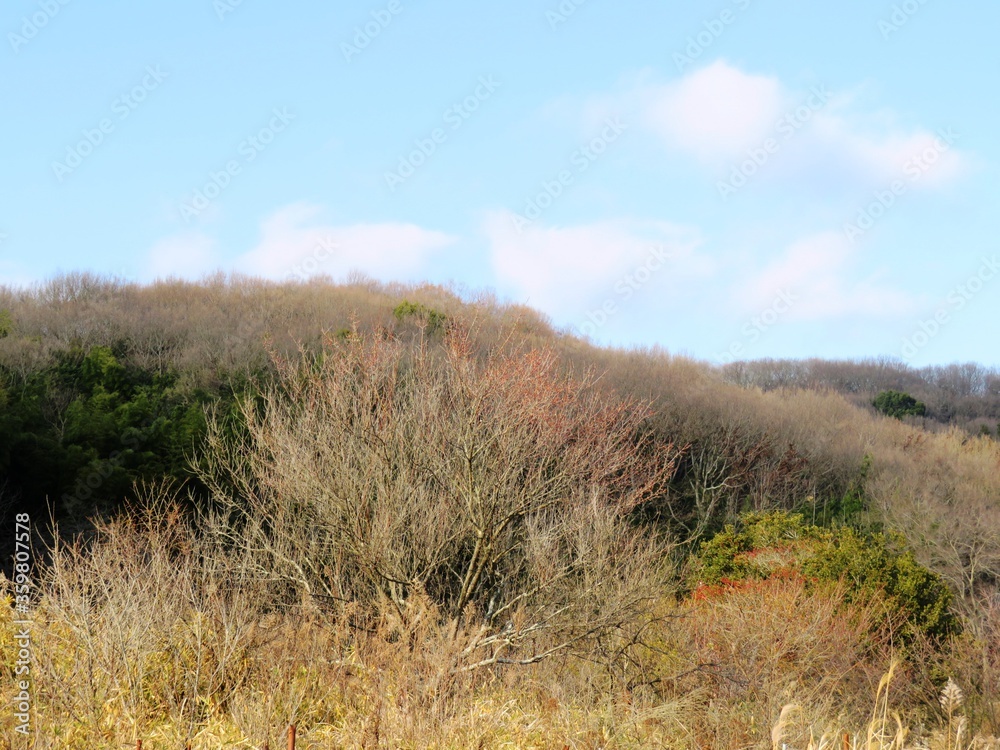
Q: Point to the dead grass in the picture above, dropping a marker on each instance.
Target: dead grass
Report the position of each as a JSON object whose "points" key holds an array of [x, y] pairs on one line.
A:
{"points": [[145, 635]]}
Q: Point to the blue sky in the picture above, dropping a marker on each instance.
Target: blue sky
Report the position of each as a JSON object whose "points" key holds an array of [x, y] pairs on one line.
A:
{"points": [[731, 179]]}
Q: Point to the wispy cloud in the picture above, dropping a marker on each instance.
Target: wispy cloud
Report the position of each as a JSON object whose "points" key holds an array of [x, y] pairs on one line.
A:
{"points": [[821, 271], [561, 269], [718, 113], [291, 236], [188, 255], [294, 243]]}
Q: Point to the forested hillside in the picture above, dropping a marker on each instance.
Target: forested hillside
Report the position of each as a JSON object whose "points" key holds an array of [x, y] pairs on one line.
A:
{"points": [[967, 395], [458, 522]]}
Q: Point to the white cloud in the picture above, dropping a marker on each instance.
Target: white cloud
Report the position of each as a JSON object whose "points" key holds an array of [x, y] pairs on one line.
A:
{"points": [[188, 255], [717, 111], [291, 243], [825, 140], [817, 272], [879, 154], [562, 269]]}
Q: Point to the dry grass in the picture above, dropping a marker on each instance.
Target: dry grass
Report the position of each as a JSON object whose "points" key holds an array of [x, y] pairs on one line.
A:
{"points": [[152, 633]]}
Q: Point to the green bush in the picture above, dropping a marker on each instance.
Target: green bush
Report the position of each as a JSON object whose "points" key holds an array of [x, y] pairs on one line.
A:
{"points": [[767, 545], [434, 319], [899, 405]]}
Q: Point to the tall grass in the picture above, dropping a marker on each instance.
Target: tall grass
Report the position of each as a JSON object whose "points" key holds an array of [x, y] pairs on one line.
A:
{"points": [[154, 632]]}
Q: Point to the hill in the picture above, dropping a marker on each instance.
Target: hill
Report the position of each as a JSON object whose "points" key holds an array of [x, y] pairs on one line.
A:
{"points": [[445, 501]]}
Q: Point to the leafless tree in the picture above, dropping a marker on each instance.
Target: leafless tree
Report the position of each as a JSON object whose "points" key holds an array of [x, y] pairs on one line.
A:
{"points": [[497, 488]]}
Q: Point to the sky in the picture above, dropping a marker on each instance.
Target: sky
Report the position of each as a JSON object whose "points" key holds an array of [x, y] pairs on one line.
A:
{"points": [[734, 179]]}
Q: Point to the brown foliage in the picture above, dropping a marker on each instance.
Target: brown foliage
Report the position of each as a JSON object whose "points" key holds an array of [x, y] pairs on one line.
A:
{"points": [[499, 489]]}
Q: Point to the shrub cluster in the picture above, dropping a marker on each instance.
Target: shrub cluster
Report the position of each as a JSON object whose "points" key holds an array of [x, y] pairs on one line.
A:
{"points": [[763, 546]]}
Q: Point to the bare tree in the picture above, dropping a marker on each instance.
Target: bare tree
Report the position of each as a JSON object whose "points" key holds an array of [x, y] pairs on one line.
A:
{"points": [[496, 488]]}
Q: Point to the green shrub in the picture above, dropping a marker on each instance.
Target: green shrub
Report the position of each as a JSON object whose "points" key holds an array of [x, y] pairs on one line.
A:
{"points": [[768, 545], [899, 405], [434, 319], [6, 323]]}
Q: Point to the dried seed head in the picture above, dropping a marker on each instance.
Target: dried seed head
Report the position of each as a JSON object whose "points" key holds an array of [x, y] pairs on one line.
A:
{"points": [[778, 730], [951, 697]]}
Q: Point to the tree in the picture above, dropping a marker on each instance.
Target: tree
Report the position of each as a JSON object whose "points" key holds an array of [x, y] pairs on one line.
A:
{"points": [[897, 404], [498, 490]]}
